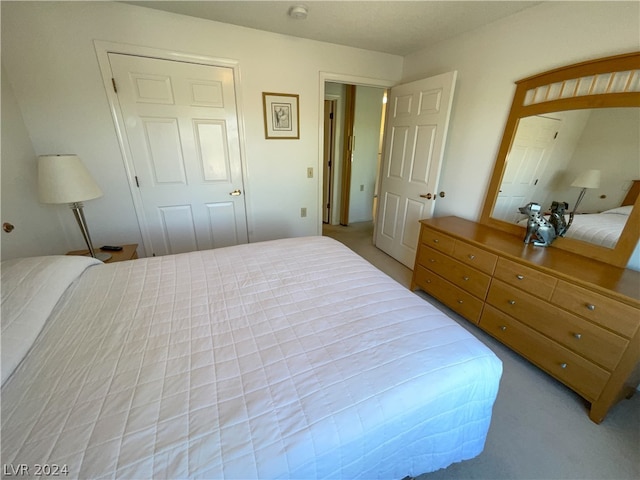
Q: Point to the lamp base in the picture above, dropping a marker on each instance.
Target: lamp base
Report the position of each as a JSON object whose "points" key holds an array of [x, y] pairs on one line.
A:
{"points": [[103, 257]]}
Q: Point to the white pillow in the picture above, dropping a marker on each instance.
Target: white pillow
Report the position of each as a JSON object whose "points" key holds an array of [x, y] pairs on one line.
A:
{"points": [[31, 287], [626, 210]]}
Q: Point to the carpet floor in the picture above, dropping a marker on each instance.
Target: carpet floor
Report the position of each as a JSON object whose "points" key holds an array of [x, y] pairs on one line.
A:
{"points": [[540, 428]]}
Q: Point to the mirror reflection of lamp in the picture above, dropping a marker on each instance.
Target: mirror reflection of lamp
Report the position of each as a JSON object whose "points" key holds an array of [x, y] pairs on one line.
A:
{"points": [[587, 179]]}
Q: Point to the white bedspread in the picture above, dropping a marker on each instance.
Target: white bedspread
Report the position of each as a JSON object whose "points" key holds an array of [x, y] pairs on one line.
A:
{"points": [[31, 288], [285, 359], [600, 228]]}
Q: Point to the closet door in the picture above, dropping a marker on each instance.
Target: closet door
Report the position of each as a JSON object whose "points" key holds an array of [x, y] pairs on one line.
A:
{"points": [[181, 128]]}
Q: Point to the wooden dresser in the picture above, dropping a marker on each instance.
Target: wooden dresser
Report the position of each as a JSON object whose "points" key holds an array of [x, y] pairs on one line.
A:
{"points": [[575, 318]]}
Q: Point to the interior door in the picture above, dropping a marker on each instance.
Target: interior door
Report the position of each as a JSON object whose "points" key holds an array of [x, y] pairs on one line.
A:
{"points": [[526, 162], [329, 146], [417, 123], [182, 130]]}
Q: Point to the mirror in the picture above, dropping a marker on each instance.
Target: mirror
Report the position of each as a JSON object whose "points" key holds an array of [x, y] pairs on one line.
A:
{"points": [[564, 124], [549, 152]]}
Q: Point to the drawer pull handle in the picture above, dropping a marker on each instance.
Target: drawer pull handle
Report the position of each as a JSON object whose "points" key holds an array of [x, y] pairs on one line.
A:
{"points": [[466, 279], [503, 328], [590, 306], [460, 302], [428, 281], [472, 256], [431, 260], [435, 240], [520, 277], [512, 302], [577, 336], [563, 365]]}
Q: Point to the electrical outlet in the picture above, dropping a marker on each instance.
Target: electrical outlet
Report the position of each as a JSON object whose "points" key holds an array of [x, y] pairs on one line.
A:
{"points": [[310, 172], [303, 212]]}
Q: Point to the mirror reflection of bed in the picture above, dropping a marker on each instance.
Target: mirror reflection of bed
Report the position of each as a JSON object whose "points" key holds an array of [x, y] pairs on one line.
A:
{"points": [[550, 151]]}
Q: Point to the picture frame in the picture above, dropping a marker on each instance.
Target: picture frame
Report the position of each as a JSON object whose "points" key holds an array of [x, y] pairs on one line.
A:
{"points": [[281, 116]]}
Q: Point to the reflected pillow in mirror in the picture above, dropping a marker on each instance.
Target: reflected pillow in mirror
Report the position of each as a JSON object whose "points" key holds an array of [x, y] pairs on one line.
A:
{"points": [[626, 210]]}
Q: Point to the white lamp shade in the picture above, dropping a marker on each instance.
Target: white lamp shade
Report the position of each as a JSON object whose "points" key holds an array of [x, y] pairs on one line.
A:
{"points": [[587, 179], [65, 179]]}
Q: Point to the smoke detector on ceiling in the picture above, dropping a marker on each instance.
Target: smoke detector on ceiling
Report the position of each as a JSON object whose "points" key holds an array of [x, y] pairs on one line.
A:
{"points": [[298, 12]]}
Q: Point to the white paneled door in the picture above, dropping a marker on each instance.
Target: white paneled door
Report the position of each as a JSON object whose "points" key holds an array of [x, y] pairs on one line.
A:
{"points": [[416, 130], [527, 160], [181, 126]]}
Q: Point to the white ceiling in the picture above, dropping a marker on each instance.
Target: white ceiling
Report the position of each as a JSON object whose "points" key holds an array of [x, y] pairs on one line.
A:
{"points": [[397, 27]]}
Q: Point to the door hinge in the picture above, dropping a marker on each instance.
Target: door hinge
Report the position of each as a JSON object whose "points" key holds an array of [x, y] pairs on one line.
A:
{"points": [[137, 182], [555, 136], [113, 82], [331, 115]]}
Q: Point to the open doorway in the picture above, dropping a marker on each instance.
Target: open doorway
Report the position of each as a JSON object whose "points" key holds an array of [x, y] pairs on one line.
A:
{"points": [[417, 122], [353, 133]]}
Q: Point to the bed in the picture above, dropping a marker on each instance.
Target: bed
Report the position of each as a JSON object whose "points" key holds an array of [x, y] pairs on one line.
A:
{"points": [[602, 229], [291, 358], [605, 228]]}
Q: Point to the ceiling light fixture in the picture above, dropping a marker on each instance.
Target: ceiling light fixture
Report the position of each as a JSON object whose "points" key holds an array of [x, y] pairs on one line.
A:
{"points": [[298, 12]]}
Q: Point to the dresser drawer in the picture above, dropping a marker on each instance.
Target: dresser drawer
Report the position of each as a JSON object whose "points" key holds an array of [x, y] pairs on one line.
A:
{"points": [[465, 277], [476, 257], [589, 340], [455, 298], [602, 310], [437, 240], [525, 278], [583, 376]]}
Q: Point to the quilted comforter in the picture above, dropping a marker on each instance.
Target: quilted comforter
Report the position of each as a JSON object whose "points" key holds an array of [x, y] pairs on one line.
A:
{"points": [[286, 359]]}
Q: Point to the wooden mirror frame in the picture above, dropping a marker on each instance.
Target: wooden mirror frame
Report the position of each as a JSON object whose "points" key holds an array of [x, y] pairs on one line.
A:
{"points": [[584, 85]]}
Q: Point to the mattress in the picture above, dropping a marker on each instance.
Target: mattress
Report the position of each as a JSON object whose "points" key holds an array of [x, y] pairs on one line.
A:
{"points": [[602, 229], [286, 359]]}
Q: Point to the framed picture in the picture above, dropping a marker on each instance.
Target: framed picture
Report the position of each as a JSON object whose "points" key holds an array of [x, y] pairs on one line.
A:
{"points": [[281, 115]]}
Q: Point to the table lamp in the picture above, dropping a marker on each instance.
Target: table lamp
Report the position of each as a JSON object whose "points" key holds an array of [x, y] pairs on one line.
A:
{"points": [[65, 179], [587, 179]]}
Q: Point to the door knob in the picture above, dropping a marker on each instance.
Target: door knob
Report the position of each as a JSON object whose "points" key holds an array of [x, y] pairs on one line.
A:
{"points": [[235, 193], [427, 196]]}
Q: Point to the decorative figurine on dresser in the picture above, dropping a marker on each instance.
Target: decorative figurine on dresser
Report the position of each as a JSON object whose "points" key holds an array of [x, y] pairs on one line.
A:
{"points": [[557, 218], [572, 308], [538, 227], [544, 231]]}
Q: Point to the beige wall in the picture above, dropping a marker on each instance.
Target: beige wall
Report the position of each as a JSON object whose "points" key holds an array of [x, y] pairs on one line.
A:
{"points": [[489, 60], [38, 230], [50, 62]]}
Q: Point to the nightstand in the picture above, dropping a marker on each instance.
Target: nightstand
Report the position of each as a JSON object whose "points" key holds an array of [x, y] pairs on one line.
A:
{"points": [[128, 252]]}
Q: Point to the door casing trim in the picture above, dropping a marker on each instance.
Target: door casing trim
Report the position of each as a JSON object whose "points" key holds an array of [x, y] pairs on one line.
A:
{"points": [[345, 79]]}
